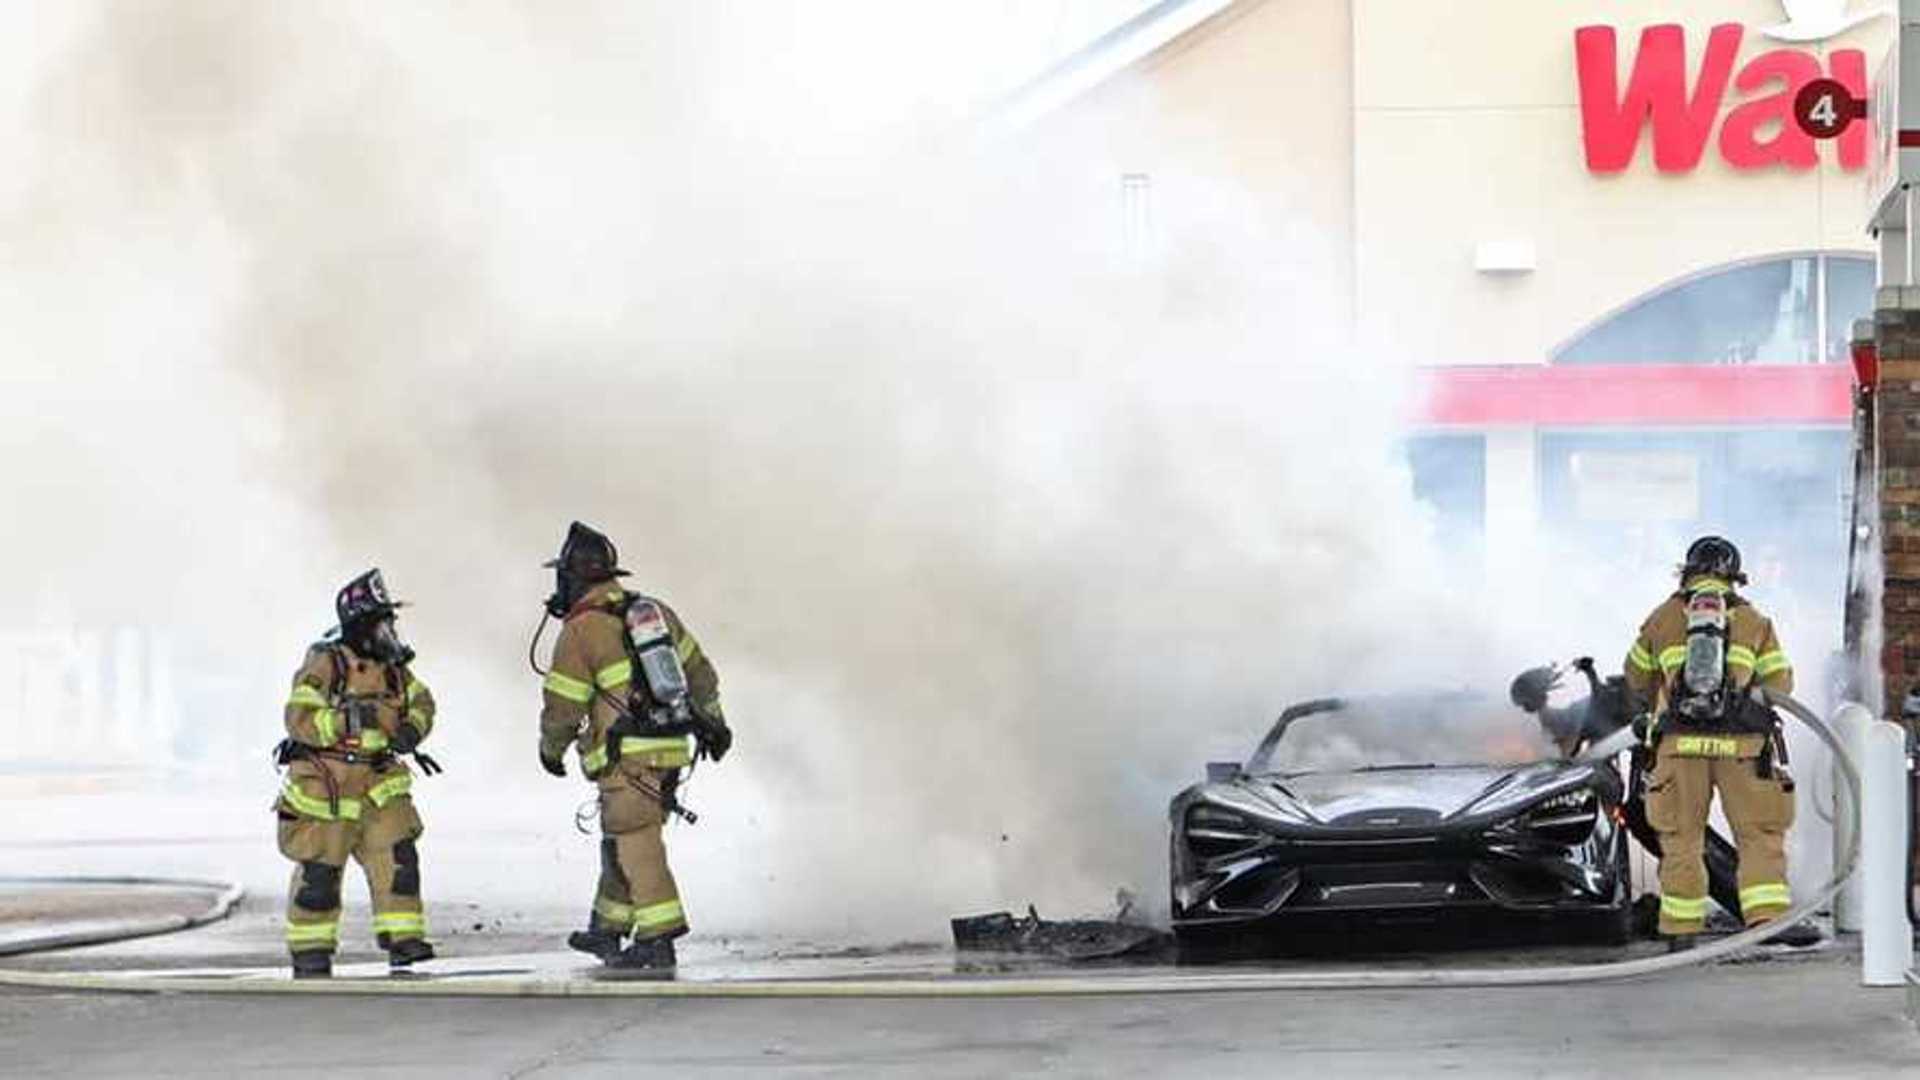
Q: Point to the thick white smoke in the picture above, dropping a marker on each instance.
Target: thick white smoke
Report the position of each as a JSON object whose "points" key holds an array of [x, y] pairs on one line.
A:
{"points": [[994, 533]]}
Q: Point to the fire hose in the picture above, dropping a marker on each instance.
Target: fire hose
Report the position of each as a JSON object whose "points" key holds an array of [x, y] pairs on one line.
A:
{"points": [[1047, 986]]}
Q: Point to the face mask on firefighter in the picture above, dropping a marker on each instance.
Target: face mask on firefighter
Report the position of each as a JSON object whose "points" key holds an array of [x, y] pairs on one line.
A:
{"points": [[381, 642], [564, 593]]}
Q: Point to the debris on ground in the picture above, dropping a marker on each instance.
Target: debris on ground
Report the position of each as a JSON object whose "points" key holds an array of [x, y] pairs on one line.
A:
{"points": [[1064, 939]]}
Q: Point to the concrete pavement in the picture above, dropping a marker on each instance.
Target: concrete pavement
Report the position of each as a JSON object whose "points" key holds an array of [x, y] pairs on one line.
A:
{"points": [[1805, 1018]]}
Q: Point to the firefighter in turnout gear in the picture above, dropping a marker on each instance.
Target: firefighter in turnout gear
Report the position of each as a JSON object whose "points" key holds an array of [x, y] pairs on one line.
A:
{"points": [[356, 706], [631, 690], [1696, 666]]}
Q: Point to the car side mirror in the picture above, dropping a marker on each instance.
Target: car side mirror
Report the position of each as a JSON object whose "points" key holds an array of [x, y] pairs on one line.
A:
{"points": [[1218, 771]]}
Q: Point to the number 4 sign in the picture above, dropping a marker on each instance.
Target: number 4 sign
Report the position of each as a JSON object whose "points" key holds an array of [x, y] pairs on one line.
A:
{"points": [[1824, 108]]}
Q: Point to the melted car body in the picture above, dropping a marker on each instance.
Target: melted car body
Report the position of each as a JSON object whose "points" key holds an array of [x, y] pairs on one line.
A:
{"points": [[1337, 814]]}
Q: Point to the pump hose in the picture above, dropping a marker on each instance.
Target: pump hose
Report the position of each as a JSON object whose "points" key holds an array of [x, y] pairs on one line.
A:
{"points": [[1913, 842]]}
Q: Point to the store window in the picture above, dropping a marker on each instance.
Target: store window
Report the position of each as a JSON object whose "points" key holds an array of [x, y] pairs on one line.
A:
{"points": [[1450, 477], [1796, 309], [1628, 502]]}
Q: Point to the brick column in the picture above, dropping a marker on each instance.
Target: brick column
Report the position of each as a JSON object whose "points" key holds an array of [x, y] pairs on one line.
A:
{"points": [[1891, 417]]}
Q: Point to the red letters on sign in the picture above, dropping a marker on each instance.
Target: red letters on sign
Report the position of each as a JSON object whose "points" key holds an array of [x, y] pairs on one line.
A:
{"points": [[1740, 135], [1657, 90], [1758, 133]]}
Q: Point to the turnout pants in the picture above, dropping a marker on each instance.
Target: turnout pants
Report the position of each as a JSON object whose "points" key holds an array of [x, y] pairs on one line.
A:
{"points": [[636, 894], [1687, 770], [373, 820], [1723, 862]]}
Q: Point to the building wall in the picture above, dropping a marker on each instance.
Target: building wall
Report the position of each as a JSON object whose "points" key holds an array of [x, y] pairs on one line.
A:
{"points": [[1467, 129], [1248, 117]]}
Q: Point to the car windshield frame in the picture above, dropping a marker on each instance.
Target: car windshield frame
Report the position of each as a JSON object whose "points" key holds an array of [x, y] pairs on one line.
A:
{"points": [[1261, 761]]}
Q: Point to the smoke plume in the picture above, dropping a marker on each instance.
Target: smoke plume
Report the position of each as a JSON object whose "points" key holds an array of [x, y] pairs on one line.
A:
{"points": [[994, 533]]}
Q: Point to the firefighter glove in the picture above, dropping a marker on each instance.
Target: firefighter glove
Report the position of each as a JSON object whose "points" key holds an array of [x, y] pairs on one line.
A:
{"points": [[553, 764], [714, 740], [405, 738]]}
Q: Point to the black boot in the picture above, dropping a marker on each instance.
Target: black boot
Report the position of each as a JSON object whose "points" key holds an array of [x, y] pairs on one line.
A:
{"points": [[1798, 936], [1680, 942], [408, 952], [313, 964], [604, 944], [653, 954]]}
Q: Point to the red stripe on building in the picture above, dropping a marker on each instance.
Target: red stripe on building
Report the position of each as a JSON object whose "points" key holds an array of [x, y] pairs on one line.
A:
{"points": [[1675, 394], [1909, 139]]}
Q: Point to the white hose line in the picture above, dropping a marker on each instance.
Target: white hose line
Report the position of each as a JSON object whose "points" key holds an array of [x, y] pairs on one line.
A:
{"points": [[227, 894], [978, 986]]}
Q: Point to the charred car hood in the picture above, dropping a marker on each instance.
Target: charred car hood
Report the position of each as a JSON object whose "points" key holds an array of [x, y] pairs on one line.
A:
{"points": [[1393, 798]]}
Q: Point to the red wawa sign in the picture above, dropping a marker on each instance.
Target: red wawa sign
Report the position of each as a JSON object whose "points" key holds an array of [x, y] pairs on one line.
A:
{"points": [[1757, 133]]}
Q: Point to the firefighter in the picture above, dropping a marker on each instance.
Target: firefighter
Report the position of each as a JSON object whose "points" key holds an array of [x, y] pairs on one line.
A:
{"points": [[1695, 666], [1580, 724], [618, 703], [356, 706]]}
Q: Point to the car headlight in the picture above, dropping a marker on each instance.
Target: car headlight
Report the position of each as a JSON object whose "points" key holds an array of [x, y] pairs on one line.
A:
{"points": [[1567, 818], [1214, 831]]}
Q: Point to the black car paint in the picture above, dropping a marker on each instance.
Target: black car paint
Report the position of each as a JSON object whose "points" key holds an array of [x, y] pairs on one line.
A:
{"points": [[1396, 841]]}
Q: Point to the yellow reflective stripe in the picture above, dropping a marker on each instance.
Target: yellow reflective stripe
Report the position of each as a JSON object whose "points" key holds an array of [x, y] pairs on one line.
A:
{"points": [[569, 688], [419, 718], [400, 922], [303, 803], [614, 674], [373, 739], [1772, 663], [306, 696], [686, 648], [326, 933], [666, 915], [1684, 908], [1639, 657], [1739, 656], [1706, 746], [1673, 656], [613, 911], [391, 788], [1707, 585], [326, 724], [414, 689], [670, 752], [1765, 895]]}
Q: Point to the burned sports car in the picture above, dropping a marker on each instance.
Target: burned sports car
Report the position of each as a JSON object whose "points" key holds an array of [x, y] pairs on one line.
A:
{"points": [[1391, 810]]}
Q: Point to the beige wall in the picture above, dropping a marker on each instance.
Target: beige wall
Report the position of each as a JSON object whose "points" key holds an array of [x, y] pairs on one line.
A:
{"points": [[1248, 116], [1381, 141], [1467, 129]]}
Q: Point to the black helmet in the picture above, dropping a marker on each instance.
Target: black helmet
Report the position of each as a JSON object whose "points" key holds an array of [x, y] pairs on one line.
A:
{"points": [[366, 612], [363, 600], [586, 559], [1715, 556]]}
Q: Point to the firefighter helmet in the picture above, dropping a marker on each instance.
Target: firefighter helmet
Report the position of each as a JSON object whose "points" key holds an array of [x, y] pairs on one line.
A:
{"points": [[1715, 556], [587, 556], [364, 599], [586, 559]]}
